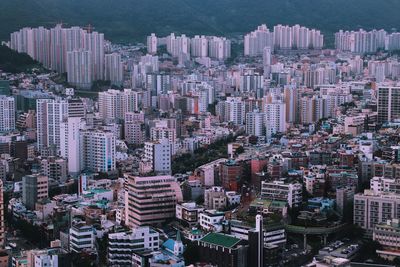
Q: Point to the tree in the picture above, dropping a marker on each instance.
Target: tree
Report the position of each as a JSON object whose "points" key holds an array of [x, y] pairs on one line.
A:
{"points": [[14, 62], [200, 200], [102, 249], [239, 150], [191, 254]]}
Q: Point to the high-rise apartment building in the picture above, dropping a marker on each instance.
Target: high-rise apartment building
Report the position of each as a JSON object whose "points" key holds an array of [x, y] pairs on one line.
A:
{"points": [[256, 41], [41, 37], [158, 133], [98, 149], [219, 48], [276, 117], [7, 113], [388, 103], [199, 46], [361, 41], [157, 84], [54, 168], [177, 45], [78, 52], [297, 37], [290, 95], [235, 110], [114, 69], [94, 42], [159, 154], [152, 44], [134, 128], [79, 68], [113, 104], [50, 114], [255, 123], [70, 142]]}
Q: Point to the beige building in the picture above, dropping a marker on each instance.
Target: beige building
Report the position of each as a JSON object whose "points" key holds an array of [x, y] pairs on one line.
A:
{"points": [[371, 209], [34, 188], [388, 235], [150, 200]]}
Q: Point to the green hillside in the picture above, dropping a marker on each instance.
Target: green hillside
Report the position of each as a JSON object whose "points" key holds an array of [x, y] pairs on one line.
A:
{"points": [[132, 20], [11, 61]]}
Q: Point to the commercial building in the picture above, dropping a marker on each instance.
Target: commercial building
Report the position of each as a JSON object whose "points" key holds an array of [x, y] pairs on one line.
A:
{"points": [[214, 198], [150, 200]]}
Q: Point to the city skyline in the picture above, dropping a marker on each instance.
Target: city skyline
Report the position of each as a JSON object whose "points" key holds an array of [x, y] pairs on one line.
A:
{"points": [[241, 146]]}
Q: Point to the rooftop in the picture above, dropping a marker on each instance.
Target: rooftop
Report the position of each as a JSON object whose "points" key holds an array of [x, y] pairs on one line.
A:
{"points": [[220, 240]]}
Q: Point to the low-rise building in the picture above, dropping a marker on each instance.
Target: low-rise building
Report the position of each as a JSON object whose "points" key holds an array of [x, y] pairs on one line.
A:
{"points": [[388, 235], [81, 237], [188, 213], [222, 250], [214, 198], [210, 220], [279, 190], [121, 245]]}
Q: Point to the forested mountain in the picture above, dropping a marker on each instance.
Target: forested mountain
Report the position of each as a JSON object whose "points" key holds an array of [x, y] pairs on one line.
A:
{"points": [[132, 20]]}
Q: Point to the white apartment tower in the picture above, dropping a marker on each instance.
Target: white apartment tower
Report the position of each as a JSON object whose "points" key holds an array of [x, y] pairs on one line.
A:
{"points": [[159, 154], [114, 69], [219, 48], [80, 68], [7, 113], [199, 46], [113, 104], [235, 110], [388, 103], [276, 117], [98, 150], [256, 41], [50, 113], [152, 44], [255, 123]]}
